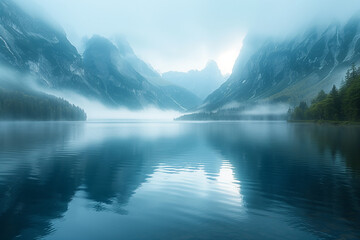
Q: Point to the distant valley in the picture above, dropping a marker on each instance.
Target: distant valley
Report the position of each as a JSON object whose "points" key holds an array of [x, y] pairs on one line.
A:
{"points": [[268, 71], [110, 74], [201, 83]]}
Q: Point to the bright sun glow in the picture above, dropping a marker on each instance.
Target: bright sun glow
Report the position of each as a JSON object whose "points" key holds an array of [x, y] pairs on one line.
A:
{"points": [[226, 60]]}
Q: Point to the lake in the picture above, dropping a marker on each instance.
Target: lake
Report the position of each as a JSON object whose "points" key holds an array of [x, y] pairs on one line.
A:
{"points": [[179, 180]]}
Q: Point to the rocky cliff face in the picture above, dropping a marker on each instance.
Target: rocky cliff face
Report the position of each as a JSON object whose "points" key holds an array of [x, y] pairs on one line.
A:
{"points": [[107, 73], [110, 71], [186, 99], [290, 70], [31, 45]]}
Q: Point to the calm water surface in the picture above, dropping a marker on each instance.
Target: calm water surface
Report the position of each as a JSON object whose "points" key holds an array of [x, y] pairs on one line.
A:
{"points": [[174, 180]]}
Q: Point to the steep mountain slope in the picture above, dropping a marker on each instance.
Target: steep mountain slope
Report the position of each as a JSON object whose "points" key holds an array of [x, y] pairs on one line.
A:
{"points": [[183, 97], [291, 70], [202, 83], [108, 70], [32, 46]]}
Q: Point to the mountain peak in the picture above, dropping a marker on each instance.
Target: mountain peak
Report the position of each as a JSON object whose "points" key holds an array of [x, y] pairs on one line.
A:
{"points": [[100, 49], [212, 68], [123, 46], [202, 82], [97, 41], [211, 64]]}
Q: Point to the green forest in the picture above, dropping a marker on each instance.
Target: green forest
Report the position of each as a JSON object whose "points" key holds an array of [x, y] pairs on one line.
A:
{"points": [[18, 105], [338, 105]]}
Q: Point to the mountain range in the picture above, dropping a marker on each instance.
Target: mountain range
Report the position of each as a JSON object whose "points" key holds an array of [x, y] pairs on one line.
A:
{"points": [[268, 70], [107, 73], [202, 82], [291, 69]]}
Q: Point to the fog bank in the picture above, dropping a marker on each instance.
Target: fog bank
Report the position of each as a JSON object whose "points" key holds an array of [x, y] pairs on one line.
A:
{"points": [[95, 110], [181, 35]]}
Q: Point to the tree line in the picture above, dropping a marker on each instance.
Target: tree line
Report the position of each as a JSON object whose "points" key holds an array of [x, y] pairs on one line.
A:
{"points": [[338, 105], [16, 105]]}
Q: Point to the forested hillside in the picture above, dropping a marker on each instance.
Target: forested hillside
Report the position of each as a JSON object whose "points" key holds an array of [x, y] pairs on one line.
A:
{"points": [[16, 105], [338, 105]]}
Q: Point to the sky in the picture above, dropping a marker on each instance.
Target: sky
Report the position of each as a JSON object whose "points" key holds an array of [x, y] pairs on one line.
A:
{"points": [[180, 35]]}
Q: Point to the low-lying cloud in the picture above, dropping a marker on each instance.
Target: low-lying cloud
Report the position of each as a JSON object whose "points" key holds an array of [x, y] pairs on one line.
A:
{"points": [[95, 110], [267, 109], [185, 34]]}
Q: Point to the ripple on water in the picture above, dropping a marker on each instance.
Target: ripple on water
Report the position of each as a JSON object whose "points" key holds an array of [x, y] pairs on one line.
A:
{"points": [[233, 180]]}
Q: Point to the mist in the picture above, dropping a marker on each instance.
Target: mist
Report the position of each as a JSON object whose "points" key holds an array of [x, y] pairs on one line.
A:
{"points": [[179, 119], [96, 110], [14, 80], [170, 36], [267, 109], [184, 35]]}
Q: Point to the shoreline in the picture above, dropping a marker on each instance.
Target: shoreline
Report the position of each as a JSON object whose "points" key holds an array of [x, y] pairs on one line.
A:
{"points": [[322, 122]]}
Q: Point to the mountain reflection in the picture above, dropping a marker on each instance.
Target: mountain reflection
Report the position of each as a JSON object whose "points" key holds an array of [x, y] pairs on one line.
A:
{"points": [[295, 164], [238, 168], [43, 172]]}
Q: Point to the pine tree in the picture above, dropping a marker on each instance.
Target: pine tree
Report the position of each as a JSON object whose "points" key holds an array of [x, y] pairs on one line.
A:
{"points": [[343, 104]]}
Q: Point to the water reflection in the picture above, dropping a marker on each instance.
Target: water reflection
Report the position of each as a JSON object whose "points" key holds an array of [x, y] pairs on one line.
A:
{"points": [[179, 181], [291, 164]]}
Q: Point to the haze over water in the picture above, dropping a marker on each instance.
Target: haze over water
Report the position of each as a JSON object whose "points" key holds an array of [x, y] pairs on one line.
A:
{"points": [[179, 180]]}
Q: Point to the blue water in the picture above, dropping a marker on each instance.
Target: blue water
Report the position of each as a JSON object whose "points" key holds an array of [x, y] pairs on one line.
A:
{"points": [[179, 180]]}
